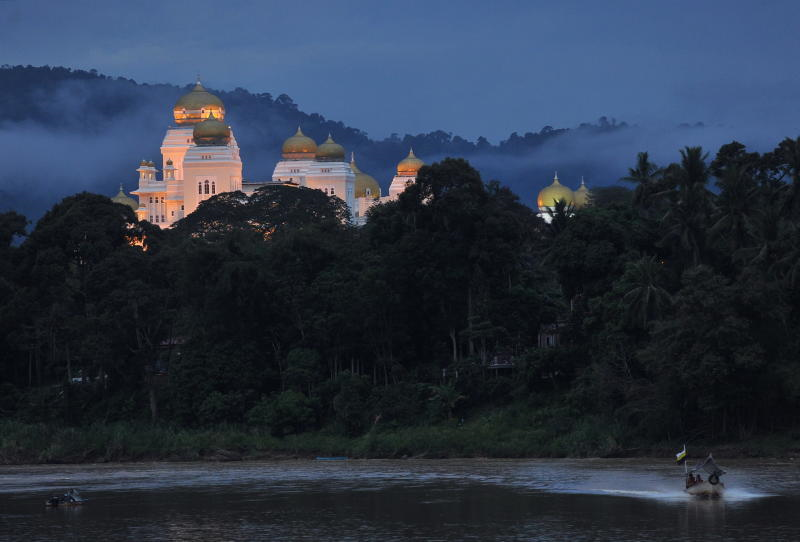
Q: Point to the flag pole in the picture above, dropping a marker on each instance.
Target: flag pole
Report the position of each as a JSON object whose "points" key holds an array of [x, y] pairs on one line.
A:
{"points": [[685, 468]]}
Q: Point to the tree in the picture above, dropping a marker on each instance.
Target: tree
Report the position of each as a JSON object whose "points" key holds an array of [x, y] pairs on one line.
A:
{"points": [[645, 299], [645, 176]]}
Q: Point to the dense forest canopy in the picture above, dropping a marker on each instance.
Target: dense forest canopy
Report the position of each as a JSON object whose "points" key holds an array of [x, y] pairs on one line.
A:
{"points": [[676, 306], [73, 130]]}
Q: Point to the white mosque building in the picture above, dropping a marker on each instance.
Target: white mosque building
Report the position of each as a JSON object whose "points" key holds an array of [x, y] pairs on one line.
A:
{"points": [[200, 158]]}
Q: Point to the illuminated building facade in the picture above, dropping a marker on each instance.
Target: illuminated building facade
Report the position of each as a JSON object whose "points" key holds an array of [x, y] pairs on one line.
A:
{"points": [[200, 158]]}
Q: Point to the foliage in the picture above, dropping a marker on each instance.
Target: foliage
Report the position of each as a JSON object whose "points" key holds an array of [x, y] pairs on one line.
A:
{"points": [[677, 309]]}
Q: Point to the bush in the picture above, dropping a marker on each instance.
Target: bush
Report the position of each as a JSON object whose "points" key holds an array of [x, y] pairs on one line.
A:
{"points": [[289, 412]]}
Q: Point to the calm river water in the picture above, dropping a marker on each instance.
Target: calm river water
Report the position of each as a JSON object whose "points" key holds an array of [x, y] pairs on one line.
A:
{"points": [[388, 500]]}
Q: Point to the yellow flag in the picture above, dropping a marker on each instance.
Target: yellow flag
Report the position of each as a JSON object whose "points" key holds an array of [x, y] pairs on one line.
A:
{"points": [[680, 455]]}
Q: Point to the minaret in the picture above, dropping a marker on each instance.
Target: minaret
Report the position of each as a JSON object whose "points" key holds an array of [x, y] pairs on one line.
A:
{"points": [[407, 171], [582, 196]]}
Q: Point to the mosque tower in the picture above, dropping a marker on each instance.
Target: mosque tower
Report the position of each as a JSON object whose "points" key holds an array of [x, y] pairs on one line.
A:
{"points": [[212, 165], [582, 196], [407, 171], [330, 173], [297, 153], [199, 116], [124, 199], [367, 192], [550, 195]]}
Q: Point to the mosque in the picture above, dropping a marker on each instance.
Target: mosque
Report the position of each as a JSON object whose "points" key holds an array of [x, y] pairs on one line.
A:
{"points": [[549, 196], [200, 158]]}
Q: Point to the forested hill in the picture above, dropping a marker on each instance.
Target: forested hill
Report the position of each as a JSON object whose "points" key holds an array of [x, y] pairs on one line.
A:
{"points": [[71, 130]]}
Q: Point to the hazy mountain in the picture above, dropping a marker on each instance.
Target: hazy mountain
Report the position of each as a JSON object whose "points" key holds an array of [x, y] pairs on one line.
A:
{"points": [[68, 130]]}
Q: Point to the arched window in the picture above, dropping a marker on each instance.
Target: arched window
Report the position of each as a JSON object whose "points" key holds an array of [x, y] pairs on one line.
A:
{"points": [[205, 186], [213, 187], [199, 187]]}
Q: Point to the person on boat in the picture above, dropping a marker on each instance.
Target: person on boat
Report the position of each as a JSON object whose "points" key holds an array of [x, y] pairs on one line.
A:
{"points": [[699, 479], [690, 481]]}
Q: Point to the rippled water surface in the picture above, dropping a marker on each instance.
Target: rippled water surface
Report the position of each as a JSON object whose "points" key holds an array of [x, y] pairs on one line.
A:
{"points": [[390, 500]]}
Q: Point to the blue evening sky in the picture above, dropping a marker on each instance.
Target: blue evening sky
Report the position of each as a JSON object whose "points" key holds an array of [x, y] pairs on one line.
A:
{"points": [[469, 67]]}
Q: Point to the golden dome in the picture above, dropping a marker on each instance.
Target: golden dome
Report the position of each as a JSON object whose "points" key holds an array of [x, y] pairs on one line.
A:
{"points": [[299, 147], [124, 199], [211, 132], [366, 185], [143, 163], [410, 165], [196, 105], [548, 196], [330, 151], [582, 196]]}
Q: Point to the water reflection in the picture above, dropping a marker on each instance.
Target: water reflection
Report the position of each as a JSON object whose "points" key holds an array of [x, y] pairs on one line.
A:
{"points": [[399, 500]]}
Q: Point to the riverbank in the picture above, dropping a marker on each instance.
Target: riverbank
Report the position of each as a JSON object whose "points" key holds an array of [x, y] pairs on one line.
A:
{"points": [[22, 443]]}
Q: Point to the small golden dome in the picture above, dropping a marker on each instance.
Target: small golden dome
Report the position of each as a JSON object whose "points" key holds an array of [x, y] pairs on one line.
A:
{"points": [[548, 196], [299, 147], [410, 165], [366, 185], [124, 199], [194, 106], [582, 196], [330, 151], [211, 132], [143, 163], [169, 161]]}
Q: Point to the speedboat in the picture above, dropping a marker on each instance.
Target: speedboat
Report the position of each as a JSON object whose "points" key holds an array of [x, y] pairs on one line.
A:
{"points": [[70, 498], [712, 486]]}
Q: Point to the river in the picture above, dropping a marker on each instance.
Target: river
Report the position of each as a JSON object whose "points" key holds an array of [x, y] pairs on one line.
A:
{"points": [[399, 500]]}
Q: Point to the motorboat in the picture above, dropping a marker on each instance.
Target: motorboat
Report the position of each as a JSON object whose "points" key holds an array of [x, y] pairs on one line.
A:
{"points": [[710, 487], [70, 498]]}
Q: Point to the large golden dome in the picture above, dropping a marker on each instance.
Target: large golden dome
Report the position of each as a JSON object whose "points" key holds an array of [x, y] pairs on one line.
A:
{"points": [[582, 196], [125, 199], [410, 165], [299, 147], [366, 185], [548, 196], [330, 151], [196, 105], [211, 132]]}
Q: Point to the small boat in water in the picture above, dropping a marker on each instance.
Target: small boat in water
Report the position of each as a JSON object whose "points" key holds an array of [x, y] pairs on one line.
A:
{"points": [[70, 498], [711, 487]]}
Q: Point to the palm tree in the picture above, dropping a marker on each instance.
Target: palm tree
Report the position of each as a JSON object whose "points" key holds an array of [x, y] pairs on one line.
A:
{"points": [[559, 217], [690, 205], [645, 176], [788, 155], [645, 300], [736, 204]]}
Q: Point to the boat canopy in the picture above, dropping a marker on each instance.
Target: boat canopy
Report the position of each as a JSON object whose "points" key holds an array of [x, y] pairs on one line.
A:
{"points": [[708, 466]]}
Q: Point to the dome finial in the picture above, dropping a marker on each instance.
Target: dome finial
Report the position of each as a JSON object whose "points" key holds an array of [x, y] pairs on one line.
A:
{"points": [[299, 131], [555, 179], [352, 157]]}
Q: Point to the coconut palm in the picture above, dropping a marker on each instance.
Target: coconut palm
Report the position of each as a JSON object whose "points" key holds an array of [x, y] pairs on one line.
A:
{"points": [[645, 299], [645, 176], [736, 205], [690, 205]]}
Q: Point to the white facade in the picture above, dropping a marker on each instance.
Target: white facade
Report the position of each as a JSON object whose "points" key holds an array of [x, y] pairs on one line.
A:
{"points": [[193, 173], [399, 184]]}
